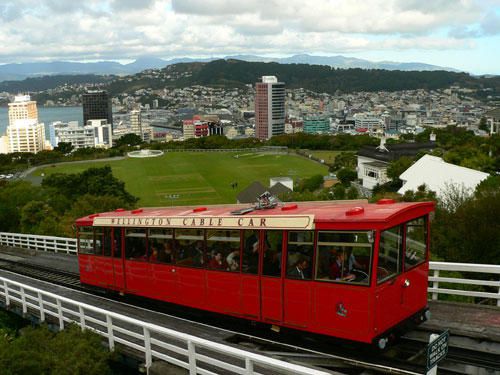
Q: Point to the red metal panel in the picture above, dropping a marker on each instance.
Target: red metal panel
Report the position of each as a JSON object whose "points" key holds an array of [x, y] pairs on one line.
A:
{"points": [[119, 272], [272, 292], [343, 310], [138, 278], [192, 286], [297, 303], [250, 296], [388, 303], [165, 282], [223, 291], [415, 294], [96, 270]]}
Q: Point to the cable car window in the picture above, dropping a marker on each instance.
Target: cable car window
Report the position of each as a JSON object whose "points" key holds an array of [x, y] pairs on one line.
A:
{"points": [[85, 240], [223, 250], [344, 256], [161, 245], [273, 245], [135, 244], [416, 242], [250, 262], [390, 253], [117, 238], [106, 242], [190, 247], [300, 250], [98, 240]]}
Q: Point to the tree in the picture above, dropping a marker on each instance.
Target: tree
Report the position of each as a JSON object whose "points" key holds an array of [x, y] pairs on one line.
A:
{"points": [[39, 351], [344, 160], [38, 217], [130, 139], [93, 181], [64, 147], [346, 175], [397, 167], [483, 124], [311, 184]]}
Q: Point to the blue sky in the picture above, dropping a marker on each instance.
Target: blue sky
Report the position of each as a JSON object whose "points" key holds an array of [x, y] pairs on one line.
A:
{"points": [[463, 34]]}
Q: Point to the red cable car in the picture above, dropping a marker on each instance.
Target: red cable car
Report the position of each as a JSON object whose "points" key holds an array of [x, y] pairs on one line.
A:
{"points": [[353, 270]]}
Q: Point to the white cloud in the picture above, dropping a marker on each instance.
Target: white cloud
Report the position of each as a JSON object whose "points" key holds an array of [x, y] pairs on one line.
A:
{"points": [[123, 29]]}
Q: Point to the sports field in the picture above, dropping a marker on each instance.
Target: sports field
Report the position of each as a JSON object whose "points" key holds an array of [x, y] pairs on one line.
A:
{"points": [[196, 177]]}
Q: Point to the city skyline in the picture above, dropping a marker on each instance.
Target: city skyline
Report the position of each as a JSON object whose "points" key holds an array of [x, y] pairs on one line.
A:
{"points": [[459, 34]]}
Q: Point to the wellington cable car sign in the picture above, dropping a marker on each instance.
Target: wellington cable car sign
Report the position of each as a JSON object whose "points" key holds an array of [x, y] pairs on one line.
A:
{"points": [[437, 349]]}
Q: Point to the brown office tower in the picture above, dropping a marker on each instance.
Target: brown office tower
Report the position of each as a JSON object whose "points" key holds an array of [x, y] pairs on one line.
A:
{"points": [[269, 107]]}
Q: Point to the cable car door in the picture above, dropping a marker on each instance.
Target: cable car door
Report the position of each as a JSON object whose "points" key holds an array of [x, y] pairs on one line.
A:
{"points": [[271, 283], [118, 265], [250, 280], [389, 279]]}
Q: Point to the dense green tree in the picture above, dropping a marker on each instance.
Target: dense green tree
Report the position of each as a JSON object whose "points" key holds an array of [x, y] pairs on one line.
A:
{"points": [[312, 183], [344, 160], [93, 181], [38, 217], [14, 196], [40, 351], [397, 167], [129, 140], [64, 147], [346, 175]]}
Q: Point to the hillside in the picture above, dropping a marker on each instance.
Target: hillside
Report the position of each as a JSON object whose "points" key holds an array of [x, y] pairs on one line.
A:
{"points": [[318, 78]]}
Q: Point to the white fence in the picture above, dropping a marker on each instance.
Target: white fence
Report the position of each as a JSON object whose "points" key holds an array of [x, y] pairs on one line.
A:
{"points": [[39, 243], [197, 355], [489, 269], [69, 246]]}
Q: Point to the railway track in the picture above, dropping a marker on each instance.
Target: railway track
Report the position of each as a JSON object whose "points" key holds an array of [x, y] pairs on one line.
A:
{"points": [[405, 358]]}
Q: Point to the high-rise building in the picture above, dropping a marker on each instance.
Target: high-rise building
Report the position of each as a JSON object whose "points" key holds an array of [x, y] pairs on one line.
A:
{"points": [[22, 108], [24, 132], [97, 106], [136, 123], [269, 107]]}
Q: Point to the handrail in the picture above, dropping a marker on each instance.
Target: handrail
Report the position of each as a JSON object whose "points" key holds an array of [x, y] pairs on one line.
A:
{"points": [[156, 342], [69, 246]]}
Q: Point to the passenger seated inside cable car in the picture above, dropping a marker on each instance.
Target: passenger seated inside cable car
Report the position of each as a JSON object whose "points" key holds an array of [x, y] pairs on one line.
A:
{"points": [[344, 256]]}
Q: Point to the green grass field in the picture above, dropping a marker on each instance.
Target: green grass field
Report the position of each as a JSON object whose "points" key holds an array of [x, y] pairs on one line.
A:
{"points": [[198, 178], [326, 155]]}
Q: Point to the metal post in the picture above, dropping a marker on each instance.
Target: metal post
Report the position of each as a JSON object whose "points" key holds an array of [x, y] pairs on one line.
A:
{"points": [[248, 366], [433, 371], [40, 306], [498, 298], [191, 358], [23, 301], [435, 285], [7, 297], [111, 338], [82, 317], [147, 347], [60, 314]]}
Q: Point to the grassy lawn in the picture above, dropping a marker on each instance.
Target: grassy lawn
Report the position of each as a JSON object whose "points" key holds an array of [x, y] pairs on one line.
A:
{"points": [[326, 155], [198, 178]]}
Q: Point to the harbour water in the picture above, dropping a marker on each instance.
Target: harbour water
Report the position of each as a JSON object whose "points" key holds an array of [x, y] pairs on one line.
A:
{"points": [[47, 115]]}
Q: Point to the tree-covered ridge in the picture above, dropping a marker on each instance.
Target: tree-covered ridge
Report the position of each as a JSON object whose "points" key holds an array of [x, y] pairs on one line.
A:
{"points": [[321, 78]]}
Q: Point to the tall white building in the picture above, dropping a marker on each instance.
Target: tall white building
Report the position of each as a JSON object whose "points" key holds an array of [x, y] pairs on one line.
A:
{"points": [[97, 133], [24, 132]]}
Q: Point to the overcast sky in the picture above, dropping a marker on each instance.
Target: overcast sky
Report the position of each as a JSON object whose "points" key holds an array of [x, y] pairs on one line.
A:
{"points": [[463, 34]]}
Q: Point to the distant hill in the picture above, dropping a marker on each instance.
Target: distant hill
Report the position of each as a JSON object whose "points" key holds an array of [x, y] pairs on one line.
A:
{"points": [[50, 82], [24, 70], [318, 78]]}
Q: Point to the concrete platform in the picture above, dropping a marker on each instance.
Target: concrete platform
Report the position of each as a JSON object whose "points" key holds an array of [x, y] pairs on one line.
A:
{"points": [[476, 321]]}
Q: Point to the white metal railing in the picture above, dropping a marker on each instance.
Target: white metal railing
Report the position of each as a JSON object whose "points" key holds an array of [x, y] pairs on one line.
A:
{"points": [[40, 243], [69, 246], [197, 355], [489, 269]]}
